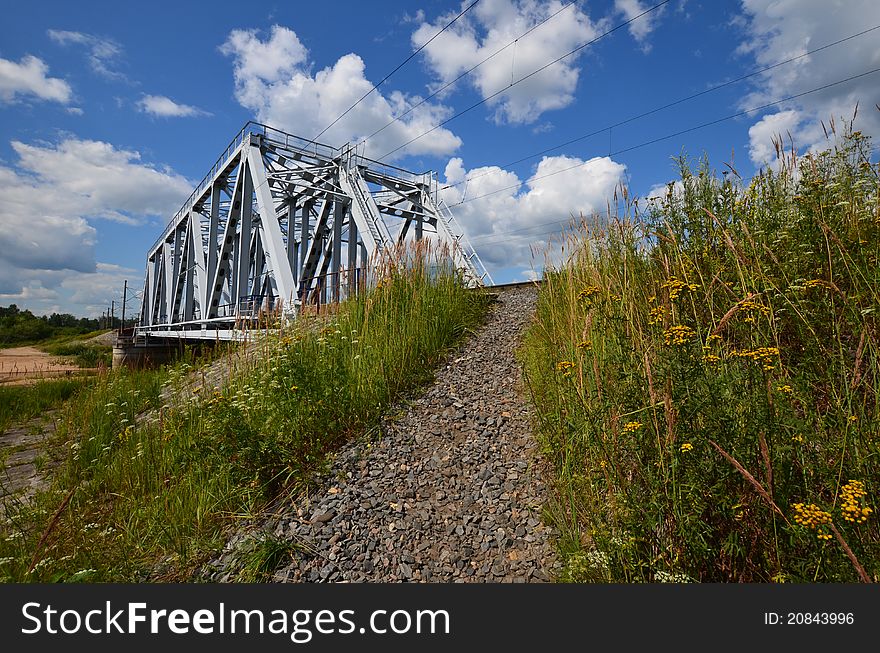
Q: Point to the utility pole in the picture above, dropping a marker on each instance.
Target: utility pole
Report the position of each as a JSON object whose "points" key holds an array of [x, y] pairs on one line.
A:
{"points": [[112, 313], [124, 293]]}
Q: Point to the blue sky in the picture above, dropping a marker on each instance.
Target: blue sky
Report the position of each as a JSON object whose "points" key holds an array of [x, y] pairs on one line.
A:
{"points": [[110, 112]]}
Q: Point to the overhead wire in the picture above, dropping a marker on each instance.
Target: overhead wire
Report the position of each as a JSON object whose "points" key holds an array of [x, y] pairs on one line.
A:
{"points": [[466, 73], [676, 133], [399, 66], [488, 239], [458, 114], [669, 105]]}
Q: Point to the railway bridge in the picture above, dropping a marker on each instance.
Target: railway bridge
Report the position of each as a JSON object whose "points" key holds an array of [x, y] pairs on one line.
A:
{"points": [[280, 222]]}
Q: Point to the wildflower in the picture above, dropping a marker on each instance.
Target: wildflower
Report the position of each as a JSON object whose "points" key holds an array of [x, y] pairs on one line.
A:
{"points": [[294, 388], [678, 335], [585, 345], [687, 446], [813, 517], [564, 367], [765, 356], [852, 419], [785, 389], [852, 502], [603, 464], [713, 338], [711, 359], [752, 309], [814, 283], [631, 427], [587, 294], [676, 286], [798, 438], [657, 314], [666, 577]]}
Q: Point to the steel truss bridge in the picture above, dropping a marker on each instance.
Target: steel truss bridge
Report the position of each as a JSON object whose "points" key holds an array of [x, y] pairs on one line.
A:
{"points": [[281, 222]]}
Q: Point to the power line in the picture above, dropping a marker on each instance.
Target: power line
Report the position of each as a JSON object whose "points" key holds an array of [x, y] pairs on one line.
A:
{"points": [[522, 79], [466, 73], [678, 133], [665, 106], [401, 65]]}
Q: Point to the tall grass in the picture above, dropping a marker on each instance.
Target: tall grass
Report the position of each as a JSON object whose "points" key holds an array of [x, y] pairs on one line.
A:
{"points": [[83, 354], [153, 501], [706, 376], [19, 403]]}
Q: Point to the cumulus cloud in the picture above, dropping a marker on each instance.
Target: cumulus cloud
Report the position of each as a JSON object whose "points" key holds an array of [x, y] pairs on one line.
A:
{"points": [[776, 30], [507, 221], [164, 107], [56, 191], [641, 28], [489, 27], [274, 79], [85, 294], [103, 54], [29, 77]]}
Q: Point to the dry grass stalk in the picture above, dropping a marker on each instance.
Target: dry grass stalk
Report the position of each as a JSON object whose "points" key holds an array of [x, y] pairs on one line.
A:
{"points": [[729, 314], [751, 479], [863, 575]]}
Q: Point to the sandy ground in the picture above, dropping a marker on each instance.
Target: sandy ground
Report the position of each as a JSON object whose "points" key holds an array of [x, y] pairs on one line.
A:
{"points": [[27, 364]]}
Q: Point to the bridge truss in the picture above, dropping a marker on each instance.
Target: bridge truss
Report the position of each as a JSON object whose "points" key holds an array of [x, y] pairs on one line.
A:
{"points": [[280, 222]]}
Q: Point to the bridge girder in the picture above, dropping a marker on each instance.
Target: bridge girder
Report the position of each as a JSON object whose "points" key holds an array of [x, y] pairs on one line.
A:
{"points": [[281, 221]]}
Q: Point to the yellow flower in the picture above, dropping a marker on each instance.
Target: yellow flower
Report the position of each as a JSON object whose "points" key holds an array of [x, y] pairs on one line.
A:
{"points": [[765, 356], [687, 446], [751, 308], [676, 286], [564, 367], [678, 335], [813, 517], [657, 314], [587, 294], [852, 504], [852, 419], [785, 389], [631, 427], [585, 345]]}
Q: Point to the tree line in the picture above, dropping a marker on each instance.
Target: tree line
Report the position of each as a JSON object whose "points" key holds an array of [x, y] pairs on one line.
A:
{"points": [[20, 326]]}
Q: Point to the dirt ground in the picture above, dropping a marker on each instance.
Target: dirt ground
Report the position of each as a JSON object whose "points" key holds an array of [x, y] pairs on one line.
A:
{"points": [[20, 365]]}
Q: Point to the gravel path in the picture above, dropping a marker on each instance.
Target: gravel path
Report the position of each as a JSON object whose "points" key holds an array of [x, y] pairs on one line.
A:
{"points": [[452, 490]]}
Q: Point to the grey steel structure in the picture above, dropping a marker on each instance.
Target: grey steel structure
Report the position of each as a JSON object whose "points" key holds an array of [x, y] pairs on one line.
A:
{"points": [[281, 221]]}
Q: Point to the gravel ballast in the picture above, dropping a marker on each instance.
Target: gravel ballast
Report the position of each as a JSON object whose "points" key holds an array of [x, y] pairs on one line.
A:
{"points": [[450, 492]]}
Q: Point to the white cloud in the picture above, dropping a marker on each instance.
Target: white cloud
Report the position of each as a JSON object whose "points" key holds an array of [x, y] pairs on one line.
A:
{"points": [[86, 294], [767, 131], [54, 192], [273, 79], [29, 77], [164, 107], [493, 24], [776, 30], [641, 28], [506, 223], [661, 191], [103, 54]]}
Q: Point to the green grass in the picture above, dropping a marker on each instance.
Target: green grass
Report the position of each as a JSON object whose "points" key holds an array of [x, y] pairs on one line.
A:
{"points": [[79, 351], [706, 374], [154, 502], [19, 403]]}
